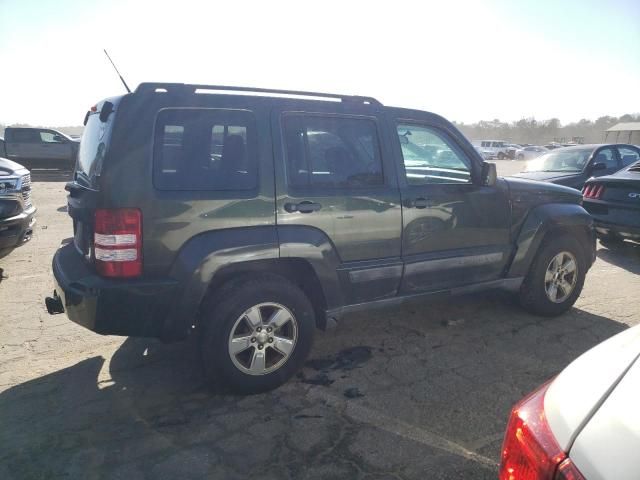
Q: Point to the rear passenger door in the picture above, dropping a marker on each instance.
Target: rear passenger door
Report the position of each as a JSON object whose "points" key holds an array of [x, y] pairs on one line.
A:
{"points": [[22, 143], [335, 175]]}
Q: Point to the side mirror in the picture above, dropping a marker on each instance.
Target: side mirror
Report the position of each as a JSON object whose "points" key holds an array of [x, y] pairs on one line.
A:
{"points": [[598, 166], [59, 139], [489, 174]]}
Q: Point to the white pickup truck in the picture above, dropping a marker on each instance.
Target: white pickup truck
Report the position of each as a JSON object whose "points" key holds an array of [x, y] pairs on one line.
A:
{"points": [[37, 148]]}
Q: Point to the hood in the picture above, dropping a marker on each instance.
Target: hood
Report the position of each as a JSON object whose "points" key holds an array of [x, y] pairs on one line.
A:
{"points": [[575, 394], [530, 193], [8, 167]]}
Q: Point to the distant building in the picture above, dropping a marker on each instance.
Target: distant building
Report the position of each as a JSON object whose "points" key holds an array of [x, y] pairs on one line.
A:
{"points": [[627, 132]]}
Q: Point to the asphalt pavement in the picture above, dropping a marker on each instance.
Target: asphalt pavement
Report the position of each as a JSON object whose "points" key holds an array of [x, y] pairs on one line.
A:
{"points": [[421, 392]]}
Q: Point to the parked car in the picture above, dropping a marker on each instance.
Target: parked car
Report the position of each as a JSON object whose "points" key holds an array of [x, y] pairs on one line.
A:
{"points": [[584, 424], [495, 148], [40, 148], [529, 153], [553, 146], [614, 203], [485, 154], [250, 217], [17, 213], [511, 149], [572, 166]]}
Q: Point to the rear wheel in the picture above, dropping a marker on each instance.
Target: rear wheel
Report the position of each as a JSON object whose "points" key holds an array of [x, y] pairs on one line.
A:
{"points": [[520, 157], [257, 333], [501, 156], [555, 278]]}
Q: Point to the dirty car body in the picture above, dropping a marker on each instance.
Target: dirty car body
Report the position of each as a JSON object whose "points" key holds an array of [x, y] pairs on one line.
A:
{"points": [[355, 204]]}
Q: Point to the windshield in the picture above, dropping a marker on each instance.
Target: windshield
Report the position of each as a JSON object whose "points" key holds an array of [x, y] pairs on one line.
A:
{"points": [[560, 161]]}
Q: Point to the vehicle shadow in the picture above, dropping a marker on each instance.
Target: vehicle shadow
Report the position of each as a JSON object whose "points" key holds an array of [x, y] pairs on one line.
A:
{"points": [[625, 255], [450, 368]]}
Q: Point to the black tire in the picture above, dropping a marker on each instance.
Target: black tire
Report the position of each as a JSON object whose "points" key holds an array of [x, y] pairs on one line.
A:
{"points": [[533, 292], [521, 157], [501, 156], [222, 312]]}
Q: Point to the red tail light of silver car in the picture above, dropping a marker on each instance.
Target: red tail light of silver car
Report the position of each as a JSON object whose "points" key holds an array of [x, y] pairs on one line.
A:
{"points": [[530, 451]]}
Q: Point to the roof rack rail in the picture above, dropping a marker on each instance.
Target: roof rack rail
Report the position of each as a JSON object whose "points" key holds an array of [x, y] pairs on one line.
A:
{"points": [[190, 89]]}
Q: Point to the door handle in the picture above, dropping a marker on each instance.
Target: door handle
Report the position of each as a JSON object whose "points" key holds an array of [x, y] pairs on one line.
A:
{"points": [[302, 207], [419, 202]]}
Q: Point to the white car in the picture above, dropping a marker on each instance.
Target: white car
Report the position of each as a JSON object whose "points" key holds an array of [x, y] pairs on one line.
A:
{"points": [[528, 153], [584, 424], [495, 148]]}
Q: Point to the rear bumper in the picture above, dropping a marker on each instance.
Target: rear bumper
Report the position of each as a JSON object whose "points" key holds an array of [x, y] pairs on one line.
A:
{"points": [[623, 231], [17, 230], [615, 219], [135, 307]]}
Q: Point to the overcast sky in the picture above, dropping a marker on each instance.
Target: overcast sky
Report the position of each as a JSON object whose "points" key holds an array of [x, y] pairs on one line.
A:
{"points": [[466, 60]]}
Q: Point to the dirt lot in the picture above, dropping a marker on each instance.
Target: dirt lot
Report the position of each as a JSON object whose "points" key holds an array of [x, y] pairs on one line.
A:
{"points": [[421, 392]]}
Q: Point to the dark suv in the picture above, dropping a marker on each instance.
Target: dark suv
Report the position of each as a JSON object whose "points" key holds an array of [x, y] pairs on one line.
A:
{"points": [[250, 217]]}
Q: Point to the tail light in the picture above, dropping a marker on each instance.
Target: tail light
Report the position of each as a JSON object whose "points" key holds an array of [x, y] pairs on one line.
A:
{"points": [[118, 242], [593, 191], [530, 451]]}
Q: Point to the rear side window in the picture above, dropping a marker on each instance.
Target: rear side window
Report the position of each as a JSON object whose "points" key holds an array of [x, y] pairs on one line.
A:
{"points": [[334, 152], [26, 136], [205, 149]]}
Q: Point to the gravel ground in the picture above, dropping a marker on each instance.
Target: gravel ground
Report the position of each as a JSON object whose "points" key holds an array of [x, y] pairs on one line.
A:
{"points": [[419, 392]]}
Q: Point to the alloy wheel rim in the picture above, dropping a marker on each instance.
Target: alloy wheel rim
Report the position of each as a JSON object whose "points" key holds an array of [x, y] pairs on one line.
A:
{"points": [[263, 338], [560, 277]]}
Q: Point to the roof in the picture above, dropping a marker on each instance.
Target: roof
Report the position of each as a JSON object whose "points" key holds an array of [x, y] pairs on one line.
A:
{"points": [[625, 127]]}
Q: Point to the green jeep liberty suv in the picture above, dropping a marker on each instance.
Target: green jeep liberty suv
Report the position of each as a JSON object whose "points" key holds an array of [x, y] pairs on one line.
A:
{"points": [[251, 216]]}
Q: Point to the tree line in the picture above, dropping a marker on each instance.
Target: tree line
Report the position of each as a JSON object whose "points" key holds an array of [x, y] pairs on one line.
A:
{"points": [[526, 130], [540, 132]]}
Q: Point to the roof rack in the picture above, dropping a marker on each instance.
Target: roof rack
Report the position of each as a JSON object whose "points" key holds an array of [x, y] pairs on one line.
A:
{"points": [[188, 89]]}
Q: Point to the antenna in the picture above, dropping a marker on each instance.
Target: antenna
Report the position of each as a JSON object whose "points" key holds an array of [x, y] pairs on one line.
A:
{"points": [[116, 69]]}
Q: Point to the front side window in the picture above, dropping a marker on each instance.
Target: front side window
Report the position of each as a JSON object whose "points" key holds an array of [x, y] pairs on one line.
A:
{"points": [[628, 156], [606, 156], [334, 152], [205, 149], [50, 137], [429, 157]]}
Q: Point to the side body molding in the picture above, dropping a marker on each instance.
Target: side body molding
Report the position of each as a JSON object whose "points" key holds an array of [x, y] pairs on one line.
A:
{"points": [[538, 222]]}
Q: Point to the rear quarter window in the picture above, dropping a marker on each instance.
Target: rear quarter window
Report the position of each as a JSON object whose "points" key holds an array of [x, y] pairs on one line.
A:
{"points": [[205, 149]]}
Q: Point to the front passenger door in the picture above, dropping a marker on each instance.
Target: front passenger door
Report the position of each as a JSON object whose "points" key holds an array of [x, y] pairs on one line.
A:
{"points": [[455, 229]]}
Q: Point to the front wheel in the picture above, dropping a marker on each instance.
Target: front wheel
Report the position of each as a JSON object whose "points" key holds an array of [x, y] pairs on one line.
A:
{"points": [[555, 278], [501, 156], [521, 157], [257, 333]]}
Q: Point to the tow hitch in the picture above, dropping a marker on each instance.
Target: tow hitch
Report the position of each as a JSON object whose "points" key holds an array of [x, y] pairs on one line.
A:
{"points": [[54, 304]]}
